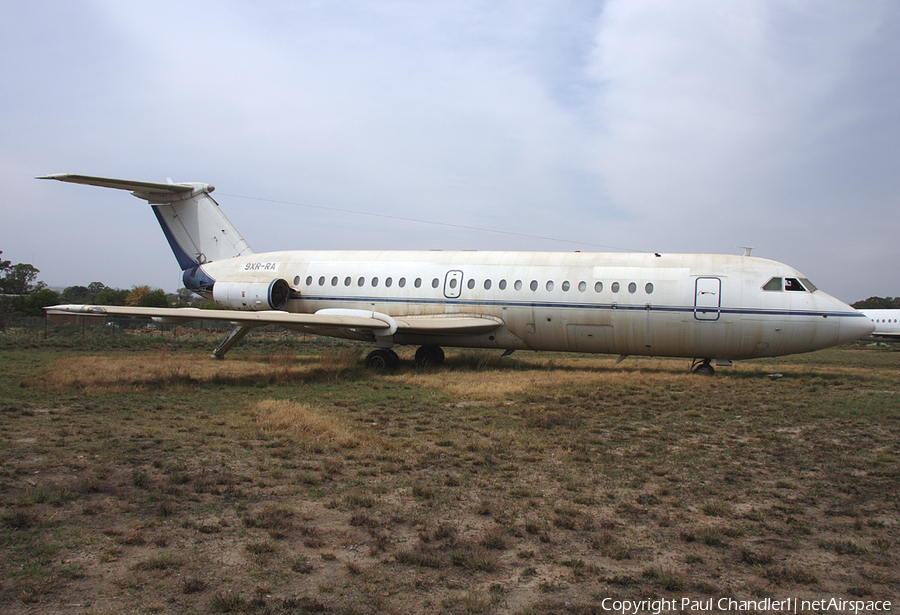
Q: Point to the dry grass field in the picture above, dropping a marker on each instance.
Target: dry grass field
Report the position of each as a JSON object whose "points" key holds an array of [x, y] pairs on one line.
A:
{"points": [[294, 481]]}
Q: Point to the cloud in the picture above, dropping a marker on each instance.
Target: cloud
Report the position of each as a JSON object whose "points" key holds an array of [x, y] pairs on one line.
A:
{"points": [[648, 125], [749, 122], [703, 96]]}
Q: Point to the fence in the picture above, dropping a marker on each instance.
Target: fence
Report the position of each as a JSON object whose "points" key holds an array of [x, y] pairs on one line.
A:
{"points": [[106, 332]]}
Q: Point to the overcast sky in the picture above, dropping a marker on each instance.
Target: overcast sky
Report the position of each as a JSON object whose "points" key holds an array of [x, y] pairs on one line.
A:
{"points": [[643, 125]]}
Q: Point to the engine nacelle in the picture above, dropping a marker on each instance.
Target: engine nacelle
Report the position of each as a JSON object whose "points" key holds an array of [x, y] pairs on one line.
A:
{"points": [[253, 296]]}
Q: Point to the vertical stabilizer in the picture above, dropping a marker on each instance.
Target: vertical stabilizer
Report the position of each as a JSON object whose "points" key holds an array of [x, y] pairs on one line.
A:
{"points": [[196, 228]]}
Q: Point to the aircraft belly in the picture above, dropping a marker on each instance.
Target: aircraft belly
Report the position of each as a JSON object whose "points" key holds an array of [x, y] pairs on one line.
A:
{"points": [[500, 338], [540, 328], [809, 333], [612, 329], [733, 338], [590, 338]]}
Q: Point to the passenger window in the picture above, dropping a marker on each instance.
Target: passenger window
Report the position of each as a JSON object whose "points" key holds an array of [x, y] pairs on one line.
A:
{"points": [[309, 281], [518, 285], [793, 284], [598, 287], [401, 282], [322, 280], [361, 282], [334, 281], [632, 287], [297, 280], [452, 283], [533, 286], [388, 282], [348, 281], [549, 285], [773, 284], [418, 283], [502, 284], [614, 287], [471, 283], [649, 288], [435, 283], [582, 287], [487, 285], [565, 286]]}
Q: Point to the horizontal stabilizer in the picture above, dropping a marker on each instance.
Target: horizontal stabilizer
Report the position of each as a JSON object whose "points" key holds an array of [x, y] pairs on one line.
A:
{"points": [[197, 230], [124, 184]]}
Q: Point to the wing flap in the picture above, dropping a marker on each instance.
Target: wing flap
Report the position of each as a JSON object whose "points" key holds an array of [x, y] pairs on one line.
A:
{"points": [[448, 325]]}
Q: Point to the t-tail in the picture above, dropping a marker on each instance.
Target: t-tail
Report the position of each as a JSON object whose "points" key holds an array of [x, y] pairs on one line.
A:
{"points": [[196, 228]]}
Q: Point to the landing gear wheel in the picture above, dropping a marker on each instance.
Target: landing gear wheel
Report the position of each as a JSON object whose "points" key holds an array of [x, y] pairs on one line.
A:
{"points": [[382, 358], [703, 368], [427, 356]]}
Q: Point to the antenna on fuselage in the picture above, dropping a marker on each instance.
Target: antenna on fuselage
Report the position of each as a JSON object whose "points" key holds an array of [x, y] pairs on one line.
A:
{"points": [[746, 250]]}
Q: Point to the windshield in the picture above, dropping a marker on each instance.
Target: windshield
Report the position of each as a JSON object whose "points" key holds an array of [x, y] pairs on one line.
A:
{"points": [[790, 284], [809, 285]]}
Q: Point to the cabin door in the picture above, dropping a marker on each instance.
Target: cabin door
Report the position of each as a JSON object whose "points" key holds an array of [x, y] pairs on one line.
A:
{"points": [[707, 298], [453, 284]]}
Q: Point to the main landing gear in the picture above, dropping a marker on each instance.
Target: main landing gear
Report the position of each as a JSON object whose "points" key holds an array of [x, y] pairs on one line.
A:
{"points": [[703, 367], [385, 358], [426, 356]]}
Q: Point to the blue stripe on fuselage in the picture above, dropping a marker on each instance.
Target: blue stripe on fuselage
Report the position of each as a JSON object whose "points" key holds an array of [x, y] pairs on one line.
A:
{"points": [[572, 306]]}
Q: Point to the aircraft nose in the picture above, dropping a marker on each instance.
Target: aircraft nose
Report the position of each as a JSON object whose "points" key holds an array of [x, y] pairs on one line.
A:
{"points": [[856, 327]]}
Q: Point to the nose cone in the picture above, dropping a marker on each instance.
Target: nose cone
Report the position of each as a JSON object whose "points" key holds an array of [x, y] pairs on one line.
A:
{"points": [[855, 325]]}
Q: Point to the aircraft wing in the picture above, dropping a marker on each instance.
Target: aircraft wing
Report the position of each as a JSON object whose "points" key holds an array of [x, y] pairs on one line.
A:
{"points": [[179, 315], [319, 323]]}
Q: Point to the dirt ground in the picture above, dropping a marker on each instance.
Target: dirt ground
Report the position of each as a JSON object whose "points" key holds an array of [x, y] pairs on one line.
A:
{"points": [[163, 482]]}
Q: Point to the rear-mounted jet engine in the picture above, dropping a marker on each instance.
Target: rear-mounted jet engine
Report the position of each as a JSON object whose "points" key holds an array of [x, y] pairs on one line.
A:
{"points": [[253, 296]]}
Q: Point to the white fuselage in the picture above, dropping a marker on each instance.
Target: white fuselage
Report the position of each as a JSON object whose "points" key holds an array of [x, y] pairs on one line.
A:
{"points": [[684, 305], [887, 325]]}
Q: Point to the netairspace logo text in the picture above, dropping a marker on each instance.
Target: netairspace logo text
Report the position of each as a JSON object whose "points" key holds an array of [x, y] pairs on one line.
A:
{"points": [[785, 605]]}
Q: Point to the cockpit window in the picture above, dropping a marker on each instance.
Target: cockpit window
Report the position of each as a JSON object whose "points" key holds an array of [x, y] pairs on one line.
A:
{"points": [[773, 284], [793, 284]]}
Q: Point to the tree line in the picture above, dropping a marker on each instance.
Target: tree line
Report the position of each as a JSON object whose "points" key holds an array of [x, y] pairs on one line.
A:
{"points": [[22, 294], [878, 303]]}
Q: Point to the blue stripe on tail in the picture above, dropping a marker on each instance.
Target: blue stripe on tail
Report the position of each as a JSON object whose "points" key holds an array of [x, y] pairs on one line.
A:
{"points": [[185, 261]]}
